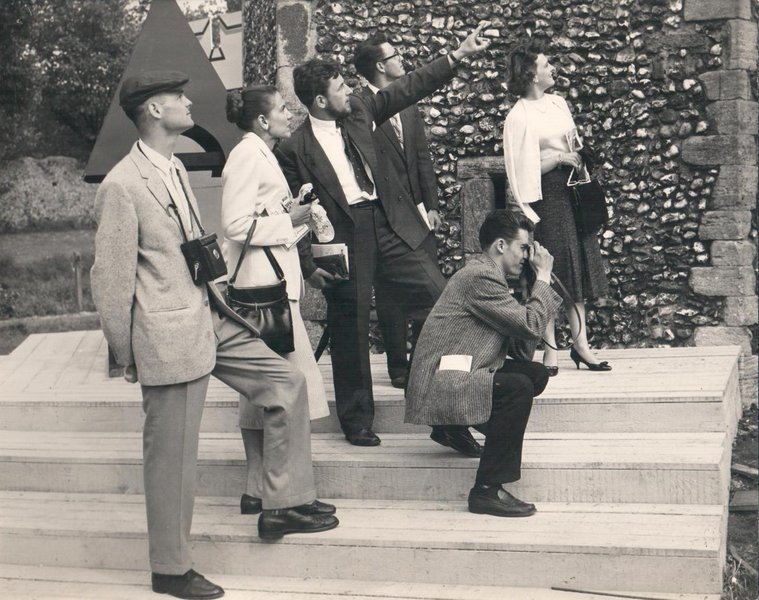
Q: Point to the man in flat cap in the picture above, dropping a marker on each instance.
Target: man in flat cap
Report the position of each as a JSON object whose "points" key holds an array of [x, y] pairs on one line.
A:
{"points": [[171, 330]]}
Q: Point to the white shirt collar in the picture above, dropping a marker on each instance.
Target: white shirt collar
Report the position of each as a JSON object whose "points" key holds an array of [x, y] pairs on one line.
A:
{"points": [[372, 87], [322, 125], [159, 162]]}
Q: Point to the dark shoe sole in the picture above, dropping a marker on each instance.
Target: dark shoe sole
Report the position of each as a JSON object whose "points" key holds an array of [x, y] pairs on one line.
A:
{"points": [[275, 535], [364, 441], [185, 597], [501, 513]]}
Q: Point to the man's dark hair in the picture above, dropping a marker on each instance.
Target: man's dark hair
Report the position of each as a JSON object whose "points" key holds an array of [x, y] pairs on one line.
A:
{"points": [[368, 54], [311, 79], [503, 223]]}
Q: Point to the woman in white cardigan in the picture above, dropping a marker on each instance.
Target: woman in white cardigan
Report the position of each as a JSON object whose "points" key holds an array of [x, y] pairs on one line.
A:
{"points": [[253, 191], [538, 163]]}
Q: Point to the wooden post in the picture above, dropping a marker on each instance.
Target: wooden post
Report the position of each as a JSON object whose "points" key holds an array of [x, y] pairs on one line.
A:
{"points": [[77, 260]]}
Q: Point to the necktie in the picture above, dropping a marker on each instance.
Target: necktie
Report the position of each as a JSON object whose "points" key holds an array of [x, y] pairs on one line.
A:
{"points": [[362, 178], [395, 121]]}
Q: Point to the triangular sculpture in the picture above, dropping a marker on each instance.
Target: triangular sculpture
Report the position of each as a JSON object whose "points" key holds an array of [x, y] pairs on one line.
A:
{"points": [[167, 42]]}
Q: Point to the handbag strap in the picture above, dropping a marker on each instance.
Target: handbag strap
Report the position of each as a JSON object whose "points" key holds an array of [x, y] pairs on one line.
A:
{"points": [[272, 261]]}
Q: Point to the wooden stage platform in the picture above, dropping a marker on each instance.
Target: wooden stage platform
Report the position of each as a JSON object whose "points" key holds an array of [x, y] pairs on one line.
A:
{"points": [[629, 470]]}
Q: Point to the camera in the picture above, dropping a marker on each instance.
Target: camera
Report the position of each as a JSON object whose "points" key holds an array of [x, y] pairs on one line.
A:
{"points": [[204, 259], [309, 197]]}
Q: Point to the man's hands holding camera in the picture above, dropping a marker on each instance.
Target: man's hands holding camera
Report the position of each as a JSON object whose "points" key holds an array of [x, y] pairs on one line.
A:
{"points": [[541, 262]]}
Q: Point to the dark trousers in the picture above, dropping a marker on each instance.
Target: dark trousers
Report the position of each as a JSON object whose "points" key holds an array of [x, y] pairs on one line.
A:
{"points": [[514, 386], [393, 320], [413, 281]]}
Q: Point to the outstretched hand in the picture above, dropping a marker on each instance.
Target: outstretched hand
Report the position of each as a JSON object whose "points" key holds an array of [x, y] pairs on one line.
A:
{"points": [[473, 43]]}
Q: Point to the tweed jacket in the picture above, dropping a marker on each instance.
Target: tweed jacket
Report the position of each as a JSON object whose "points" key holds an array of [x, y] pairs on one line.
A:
{"points": [[411, 161], [303, 160], [152, 314], [251, 183], [476, 316]]}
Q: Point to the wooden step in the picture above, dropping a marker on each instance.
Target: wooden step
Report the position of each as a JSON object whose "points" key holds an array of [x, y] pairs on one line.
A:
{"points": [[58, 583], [580, 467], [57, 382], [668, 548]]}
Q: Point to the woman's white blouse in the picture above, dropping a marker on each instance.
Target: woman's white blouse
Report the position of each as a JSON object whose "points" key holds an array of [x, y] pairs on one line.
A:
{"points": [[533, 129]]}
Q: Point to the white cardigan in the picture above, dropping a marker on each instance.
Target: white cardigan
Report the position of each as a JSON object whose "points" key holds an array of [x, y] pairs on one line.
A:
{"points": [[521, 153], [251, 182]]}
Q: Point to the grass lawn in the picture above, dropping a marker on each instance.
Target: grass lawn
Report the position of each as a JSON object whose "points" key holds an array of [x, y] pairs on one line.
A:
{"points": [[37, 277]]}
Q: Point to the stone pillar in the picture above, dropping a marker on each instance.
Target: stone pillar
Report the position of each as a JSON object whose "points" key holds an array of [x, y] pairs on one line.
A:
{"points": [[734, 116], [296, 43]]}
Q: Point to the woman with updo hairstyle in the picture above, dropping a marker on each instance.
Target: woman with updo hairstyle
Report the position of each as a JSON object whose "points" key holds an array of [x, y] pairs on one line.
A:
{"points": [[254, 190], [536, 138]]}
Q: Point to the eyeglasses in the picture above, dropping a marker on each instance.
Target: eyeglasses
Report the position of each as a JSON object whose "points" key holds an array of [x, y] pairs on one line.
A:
{"points": [[389, 57]]}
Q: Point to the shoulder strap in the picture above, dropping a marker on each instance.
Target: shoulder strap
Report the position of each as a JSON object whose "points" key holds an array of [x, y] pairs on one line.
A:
{"points": [[272, 261]]}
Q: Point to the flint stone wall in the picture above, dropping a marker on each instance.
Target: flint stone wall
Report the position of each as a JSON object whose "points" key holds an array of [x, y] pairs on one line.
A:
{"points": [[665, 90]]}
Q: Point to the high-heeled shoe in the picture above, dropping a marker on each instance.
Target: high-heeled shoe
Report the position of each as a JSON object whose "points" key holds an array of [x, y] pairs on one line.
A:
{"points": [[575, 356], [553, 370]]}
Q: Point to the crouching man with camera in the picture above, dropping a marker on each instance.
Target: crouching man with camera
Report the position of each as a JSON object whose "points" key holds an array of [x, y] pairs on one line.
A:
{"points": [[168, 325], [460, 374]]}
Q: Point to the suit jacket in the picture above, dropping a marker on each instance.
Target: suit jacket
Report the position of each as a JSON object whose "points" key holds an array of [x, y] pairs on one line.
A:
{"points": [[476, 316], [152, 314], [303, 160], [411, 161], [251, 182]]}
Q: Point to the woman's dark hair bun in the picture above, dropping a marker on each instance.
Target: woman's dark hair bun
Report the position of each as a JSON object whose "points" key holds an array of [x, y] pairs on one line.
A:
{"points": [[522, 67], [234, 106]]}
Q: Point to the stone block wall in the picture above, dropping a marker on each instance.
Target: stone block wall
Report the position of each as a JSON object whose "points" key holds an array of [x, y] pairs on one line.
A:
{"points": [[666, 92], [260, 41]]}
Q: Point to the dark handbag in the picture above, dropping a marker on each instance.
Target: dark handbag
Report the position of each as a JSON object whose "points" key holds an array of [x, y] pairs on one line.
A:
{"points": [[266, 307], [589, 206]]}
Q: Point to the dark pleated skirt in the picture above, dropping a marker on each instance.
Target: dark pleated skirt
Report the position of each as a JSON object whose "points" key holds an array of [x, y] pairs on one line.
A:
{"points": [[577, 257]]}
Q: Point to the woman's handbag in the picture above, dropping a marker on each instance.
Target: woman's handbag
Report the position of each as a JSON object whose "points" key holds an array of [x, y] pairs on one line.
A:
{"points": [[266, 307], [589, 206]]}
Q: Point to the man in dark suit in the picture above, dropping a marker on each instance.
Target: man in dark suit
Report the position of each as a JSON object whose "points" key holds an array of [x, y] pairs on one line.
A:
{"points": [[333, 149], [402, 139], [460, 375]]}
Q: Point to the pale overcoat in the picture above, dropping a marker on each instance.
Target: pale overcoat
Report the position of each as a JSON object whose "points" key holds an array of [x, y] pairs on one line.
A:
{"points": [[478, 318], [253, 186], [152, 314]]}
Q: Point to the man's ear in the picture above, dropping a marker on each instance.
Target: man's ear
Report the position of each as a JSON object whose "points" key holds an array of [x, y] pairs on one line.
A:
{"points": [[380, 66], [320, 101]]}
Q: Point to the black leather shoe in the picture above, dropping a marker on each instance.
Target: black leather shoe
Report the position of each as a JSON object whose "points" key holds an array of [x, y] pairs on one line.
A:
{"points": [[457, 437], [273, 524], [496, 501], [363, 437], [317, 507], [399, 382], [250, 505], [190, 585]]}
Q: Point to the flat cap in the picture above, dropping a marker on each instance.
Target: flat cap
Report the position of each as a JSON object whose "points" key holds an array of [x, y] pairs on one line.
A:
{"points": [[138, 88]]}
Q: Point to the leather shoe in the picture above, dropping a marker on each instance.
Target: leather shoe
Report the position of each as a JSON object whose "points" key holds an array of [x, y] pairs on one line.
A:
{"points": [[363, 437], [457, 437], [190, 585], [494, 500], [250, 505], [317, 507], [398, 382], [273, 524]]}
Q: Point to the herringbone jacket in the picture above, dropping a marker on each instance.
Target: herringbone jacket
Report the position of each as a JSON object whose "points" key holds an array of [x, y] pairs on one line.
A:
{"points": [[476, 316]]}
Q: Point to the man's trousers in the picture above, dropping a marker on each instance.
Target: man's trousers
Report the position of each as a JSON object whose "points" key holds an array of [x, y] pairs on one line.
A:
{"points": [[410, 277], [515, 384], [271, 388]]}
